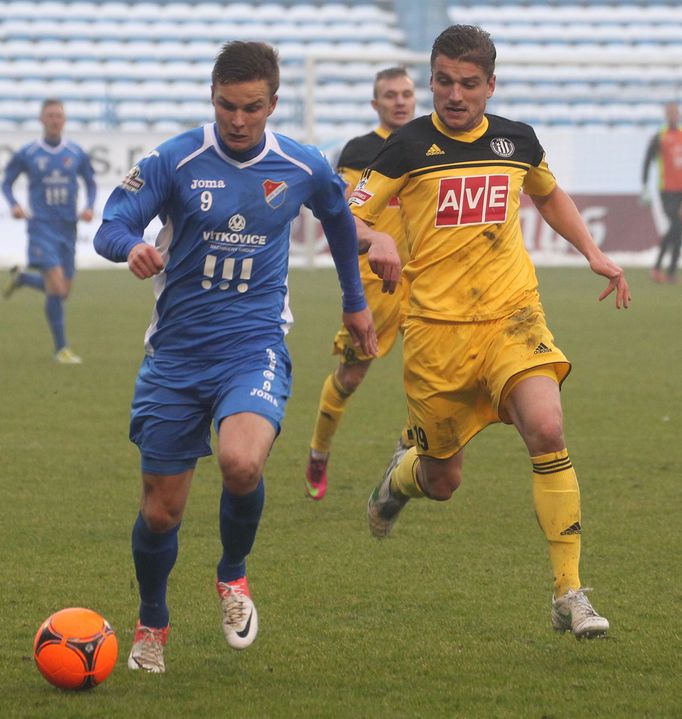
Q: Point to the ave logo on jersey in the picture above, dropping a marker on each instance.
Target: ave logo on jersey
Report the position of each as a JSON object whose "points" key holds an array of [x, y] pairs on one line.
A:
{"points": [[474, 200], [274, 192]]}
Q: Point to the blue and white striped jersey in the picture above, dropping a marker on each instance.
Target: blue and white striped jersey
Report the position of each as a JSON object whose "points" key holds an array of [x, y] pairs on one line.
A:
{"points": [[52, 179], [225, 236]]}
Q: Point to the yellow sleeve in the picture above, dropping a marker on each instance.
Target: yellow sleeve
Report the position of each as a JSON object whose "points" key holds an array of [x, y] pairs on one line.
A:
{"points": [[539, 180], [372, 194]]}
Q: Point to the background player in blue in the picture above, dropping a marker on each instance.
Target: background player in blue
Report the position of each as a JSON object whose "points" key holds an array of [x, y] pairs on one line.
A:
{"points": [[53, 165], [227, 193]]}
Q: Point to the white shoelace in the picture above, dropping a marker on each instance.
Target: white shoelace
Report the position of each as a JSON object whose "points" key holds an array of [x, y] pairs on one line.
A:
{"points": [[234, 606], [150, 647]]}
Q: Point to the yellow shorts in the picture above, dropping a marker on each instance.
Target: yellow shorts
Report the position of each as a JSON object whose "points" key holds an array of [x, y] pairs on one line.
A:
{"points": [[388, 312], [455, 373]]}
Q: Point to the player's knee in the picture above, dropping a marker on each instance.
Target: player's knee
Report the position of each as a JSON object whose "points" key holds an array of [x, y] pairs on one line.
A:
{"points": [[547, 435], [241, 472], [441, 485], [160, 516]]}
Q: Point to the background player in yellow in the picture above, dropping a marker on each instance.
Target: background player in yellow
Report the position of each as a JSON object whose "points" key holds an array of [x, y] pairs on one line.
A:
{"points": [[477, 349], [394, 102]]}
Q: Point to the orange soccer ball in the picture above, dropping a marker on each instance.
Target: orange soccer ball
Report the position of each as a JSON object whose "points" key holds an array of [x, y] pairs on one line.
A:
{"points": [[75, 648]]}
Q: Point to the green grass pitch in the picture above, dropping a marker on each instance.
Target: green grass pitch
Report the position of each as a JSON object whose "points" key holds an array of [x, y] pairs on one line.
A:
{"points": [[447, 618]]}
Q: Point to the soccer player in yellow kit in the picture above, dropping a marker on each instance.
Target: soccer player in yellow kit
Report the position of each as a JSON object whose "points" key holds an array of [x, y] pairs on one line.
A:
{"points": [[394, 102], [477, 349]]}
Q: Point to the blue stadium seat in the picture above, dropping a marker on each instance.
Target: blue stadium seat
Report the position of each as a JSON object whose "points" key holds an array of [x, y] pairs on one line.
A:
{"points": [[556, 55]]}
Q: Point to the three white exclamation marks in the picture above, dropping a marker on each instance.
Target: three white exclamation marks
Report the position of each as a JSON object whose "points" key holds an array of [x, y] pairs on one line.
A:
{"points": [[228, 273]]}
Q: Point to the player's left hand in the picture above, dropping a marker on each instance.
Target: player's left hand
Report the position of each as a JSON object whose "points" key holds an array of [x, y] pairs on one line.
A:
{"points": [[360, 326], [604, 266], [384, 260], [86, 215]]}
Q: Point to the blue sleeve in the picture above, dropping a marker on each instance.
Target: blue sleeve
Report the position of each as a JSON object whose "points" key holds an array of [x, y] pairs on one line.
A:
{"points": [[14, 168], [343, 243], [88, 175], [114, 240], [131, 207]]}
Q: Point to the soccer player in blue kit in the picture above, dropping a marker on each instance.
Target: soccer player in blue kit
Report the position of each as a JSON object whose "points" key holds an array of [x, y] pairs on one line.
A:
{"points": [[53, 165], [227, 194]]}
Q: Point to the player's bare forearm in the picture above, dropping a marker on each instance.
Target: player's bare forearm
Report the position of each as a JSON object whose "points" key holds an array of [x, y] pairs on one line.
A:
{"points": [[560, 213], [382, 254], [360, 326]]}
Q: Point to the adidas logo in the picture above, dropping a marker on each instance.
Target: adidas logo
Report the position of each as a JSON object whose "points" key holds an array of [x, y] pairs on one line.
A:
{"points": [[434, 150], [575, 528], [541, 349]]}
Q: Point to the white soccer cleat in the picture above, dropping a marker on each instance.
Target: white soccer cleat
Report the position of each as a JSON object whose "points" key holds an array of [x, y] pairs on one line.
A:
{"points": [[383, 506], [147, 650], [574, 613], [240, 618]]}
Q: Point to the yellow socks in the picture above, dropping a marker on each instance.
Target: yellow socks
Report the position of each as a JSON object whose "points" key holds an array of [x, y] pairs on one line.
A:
{"points": [[404, 476], [333, 400], [557, 505]]}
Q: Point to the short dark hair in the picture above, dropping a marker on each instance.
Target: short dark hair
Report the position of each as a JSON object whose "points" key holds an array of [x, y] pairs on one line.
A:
{"points": [[469, 43], [50, 101], [240, 61], [389, 73]]}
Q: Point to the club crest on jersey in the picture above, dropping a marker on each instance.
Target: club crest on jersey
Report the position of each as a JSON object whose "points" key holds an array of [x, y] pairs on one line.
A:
{"points": [[67, 161], [274, 192], [474, 200], [502, 147], [132, 181]]}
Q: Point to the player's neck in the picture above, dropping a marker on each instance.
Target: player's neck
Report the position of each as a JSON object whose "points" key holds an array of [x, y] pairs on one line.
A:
{"points": [[242, 156], [52, 141]]}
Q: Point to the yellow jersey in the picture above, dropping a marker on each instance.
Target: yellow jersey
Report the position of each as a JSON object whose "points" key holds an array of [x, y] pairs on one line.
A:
{"points": [[459, 196]]}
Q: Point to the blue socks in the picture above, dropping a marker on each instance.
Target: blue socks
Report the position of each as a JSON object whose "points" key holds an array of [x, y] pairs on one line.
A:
{"points": [[154, 555], [239, 517], [54, 310]]}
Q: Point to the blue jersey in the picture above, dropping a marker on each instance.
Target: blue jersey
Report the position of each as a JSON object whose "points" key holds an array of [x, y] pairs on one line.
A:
{"points": [[225, 237], [52, 179]]}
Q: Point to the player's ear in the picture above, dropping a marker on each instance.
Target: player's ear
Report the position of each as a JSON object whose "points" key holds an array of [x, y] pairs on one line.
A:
{"points": [[491, 86], [273, 104], [212, 94]]}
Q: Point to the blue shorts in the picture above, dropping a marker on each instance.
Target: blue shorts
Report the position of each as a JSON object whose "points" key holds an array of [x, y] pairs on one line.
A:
{"points": [[52, 244], [176, 399]]}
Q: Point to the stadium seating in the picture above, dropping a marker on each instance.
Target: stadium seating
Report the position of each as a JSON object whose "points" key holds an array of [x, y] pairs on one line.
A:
{"points": [[565, 63], [147, 64], [141, 64]]}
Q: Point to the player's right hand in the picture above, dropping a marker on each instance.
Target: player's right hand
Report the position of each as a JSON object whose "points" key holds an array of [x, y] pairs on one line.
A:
{"points": [[145, 261], [18, 212], [360, 326]]}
